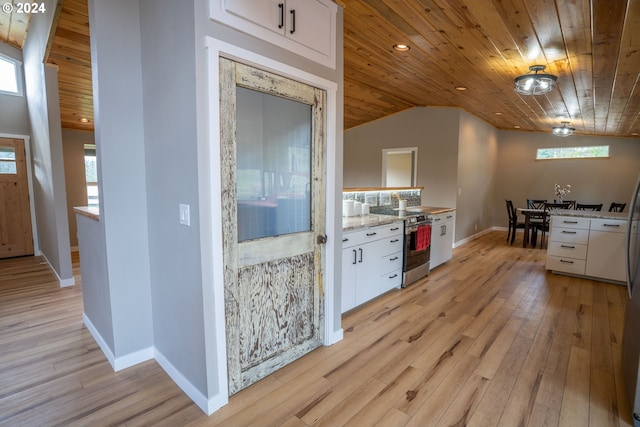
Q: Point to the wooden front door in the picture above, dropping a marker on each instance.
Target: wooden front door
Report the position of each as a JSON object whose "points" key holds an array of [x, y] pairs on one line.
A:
{"points": [[273, 206], [16, 238]]}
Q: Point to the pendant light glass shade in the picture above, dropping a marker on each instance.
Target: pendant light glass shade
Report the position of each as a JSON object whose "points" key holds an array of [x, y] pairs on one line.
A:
{"points": [[563, 130], [535, 84]]}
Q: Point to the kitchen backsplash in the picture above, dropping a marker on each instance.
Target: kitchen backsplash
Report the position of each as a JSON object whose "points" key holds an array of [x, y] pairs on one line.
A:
{"points": [[385, 198]]}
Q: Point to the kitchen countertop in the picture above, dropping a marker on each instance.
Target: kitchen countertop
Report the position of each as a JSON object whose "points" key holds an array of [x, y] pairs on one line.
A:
{"points": [[432, 210], [590, 214], [372, 220]]}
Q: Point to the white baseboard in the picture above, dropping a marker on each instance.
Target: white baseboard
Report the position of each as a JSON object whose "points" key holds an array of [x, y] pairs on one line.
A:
{"points": [[474, 236], [132, 359], [208, 406], [101, 342], [64, 283], [117, 363], [332, 338]]}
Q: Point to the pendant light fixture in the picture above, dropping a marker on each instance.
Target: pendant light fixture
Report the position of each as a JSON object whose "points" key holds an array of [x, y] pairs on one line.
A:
{"points": [[535, 84], [563, 130]]}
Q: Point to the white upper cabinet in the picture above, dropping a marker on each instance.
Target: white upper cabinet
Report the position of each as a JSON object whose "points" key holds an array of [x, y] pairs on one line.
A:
{"points": [[305, 27]]}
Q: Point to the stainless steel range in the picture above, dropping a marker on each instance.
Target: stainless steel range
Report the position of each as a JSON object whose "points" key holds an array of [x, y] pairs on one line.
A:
{"points": [[417, 248]]}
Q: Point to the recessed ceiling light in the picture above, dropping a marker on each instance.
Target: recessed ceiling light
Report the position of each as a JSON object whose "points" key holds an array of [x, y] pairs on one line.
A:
{"points": [[497, 113], [461, 88], [634, 133], [401, 47], [84, 120], [516, 127]]}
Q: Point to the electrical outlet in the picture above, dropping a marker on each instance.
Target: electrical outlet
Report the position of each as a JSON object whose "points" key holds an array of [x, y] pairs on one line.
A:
{"points": [[185, 216]]}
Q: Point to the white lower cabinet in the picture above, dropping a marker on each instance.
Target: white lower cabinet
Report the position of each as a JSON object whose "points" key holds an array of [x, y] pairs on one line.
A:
{"points": [[606, 255], [442, 230], [587, 247], [371, 263]]}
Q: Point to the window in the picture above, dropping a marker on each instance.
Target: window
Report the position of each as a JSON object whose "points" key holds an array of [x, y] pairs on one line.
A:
{"points": [[91, 174], [10, 76], [8, 161], [592, 152]]}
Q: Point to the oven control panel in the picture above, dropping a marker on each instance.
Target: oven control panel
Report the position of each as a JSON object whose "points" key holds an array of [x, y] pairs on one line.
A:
{"points": [[417, 219]]}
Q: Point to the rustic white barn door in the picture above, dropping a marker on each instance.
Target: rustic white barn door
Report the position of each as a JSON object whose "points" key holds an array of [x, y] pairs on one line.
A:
{"points": [[273, 201]]}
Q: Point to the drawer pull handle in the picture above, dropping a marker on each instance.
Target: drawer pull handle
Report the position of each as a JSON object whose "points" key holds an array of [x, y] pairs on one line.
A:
{"points": [[346, 239], [395, 258], [569, 232], [395, 240], [355, 257], [567, 246], [449, 216], [570, 222], [611, 225], [372, 234], [360, 249], [395, 229], [566, 262], [438, 219], [393, 277]]}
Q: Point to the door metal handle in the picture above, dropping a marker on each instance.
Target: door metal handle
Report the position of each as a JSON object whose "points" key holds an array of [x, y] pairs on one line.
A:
{"points": [[321, 239]]}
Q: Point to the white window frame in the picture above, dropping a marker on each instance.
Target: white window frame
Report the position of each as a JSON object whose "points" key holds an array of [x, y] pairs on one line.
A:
{"points": [[17, 67], [573, 157]]}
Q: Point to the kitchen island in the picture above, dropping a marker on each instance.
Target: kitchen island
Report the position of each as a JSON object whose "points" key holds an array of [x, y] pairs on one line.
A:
{"points": [[588, 244]]}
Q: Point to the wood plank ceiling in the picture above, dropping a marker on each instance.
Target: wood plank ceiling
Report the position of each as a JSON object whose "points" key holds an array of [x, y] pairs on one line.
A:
{"points": [[593, 46]]}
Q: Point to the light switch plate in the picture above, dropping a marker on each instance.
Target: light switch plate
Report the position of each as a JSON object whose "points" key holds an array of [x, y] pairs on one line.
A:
{"points": [[185, 216]]}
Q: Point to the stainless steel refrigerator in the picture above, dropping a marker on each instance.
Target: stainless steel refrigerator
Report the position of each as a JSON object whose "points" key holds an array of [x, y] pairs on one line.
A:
{"points": [[631, 334]]}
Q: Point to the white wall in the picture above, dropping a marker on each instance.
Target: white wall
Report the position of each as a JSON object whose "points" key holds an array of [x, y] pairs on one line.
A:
{"points": [[41, 84], [14, 117], [433, 130], [120, 150], [73, 142], [477, 170], [520, 176]]}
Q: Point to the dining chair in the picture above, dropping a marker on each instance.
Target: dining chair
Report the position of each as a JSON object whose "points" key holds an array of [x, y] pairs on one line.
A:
{"points": [[572, 203], [546, 218], [514, 224], [589, 207], [536, 203], [617, 207]]}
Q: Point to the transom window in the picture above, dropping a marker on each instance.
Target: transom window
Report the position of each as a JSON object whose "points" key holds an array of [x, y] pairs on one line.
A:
{"points": [[10, 76], [592, 152]]}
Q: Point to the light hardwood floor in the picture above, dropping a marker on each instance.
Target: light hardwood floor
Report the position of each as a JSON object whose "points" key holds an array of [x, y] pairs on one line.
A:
{"points": [[488, 339]]}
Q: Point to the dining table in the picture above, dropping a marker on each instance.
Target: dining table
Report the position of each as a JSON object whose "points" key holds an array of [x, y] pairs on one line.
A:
{"points": [[528, 214]]}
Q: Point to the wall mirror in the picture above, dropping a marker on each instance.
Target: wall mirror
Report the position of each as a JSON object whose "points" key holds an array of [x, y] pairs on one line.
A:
{"points": [[400, 167]]}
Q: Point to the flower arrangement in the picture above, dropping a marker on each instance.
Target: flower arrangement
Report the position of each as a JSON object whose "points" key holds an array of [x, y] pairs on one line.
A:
{"points": [[561, 192]]}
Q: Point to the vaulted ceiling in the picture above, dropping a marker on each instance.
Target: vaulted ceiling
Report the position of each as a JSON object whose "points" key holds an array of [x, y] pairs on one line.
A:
{"points": [[592, 46]]}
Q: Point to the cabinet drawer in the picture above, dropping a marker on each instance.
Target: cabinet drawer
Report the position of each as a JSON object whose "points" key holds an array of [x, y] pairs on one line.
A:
{"points": [[565, 249], [389, 230], [391, 245], [611, 225], [569, 235], [391, 262], [444, 217], [360, 237], [570, 222], [566, 264], [391, 280]]}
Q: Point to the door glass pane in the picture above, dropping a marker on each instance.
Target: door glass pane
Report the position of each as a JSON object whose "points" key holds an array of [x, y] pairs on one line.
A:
{"points": [[7, 160], [273, 175]]}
